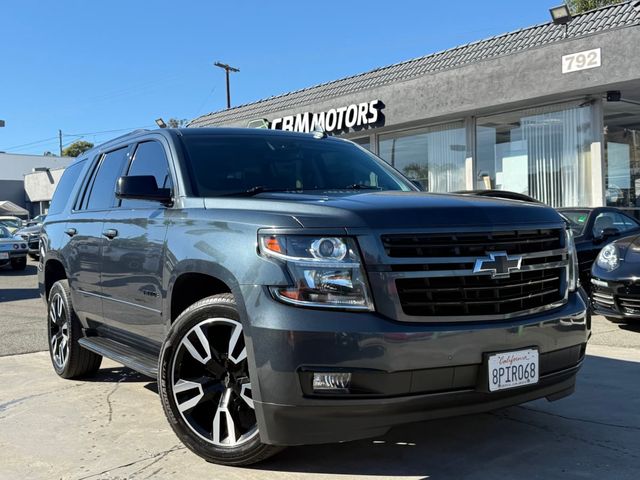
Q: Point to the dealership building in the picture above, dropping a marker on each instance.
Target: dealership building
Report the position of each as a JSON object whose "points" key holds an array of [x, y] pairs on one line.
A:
{"points": [[552, 111]]}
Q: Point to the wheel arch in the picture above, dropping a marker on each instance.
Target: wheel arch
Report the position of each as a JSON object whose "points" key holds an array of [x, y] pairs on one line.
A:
{"points": [[54, 270], [194, 280]]}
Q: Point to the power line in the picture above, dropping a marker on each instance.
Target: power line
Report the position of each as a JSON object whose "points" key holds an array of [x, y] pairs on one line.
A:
{"points": [[77, 136], [32, 143], [106, 131]]}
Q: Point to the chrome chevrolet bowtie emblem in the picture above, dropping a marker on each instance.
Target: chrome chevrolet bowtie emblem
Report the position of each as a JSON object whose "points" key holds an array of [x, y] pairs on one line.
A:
{"points": [[498, 263]]}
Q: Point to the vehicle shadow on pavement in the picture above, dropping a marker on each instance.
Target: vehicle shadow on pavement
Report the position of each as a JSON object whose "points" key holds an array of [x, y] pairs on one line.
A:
{"points": [[11, 294], [118, 375], [592, 434], [9, 272], [631, 326]]}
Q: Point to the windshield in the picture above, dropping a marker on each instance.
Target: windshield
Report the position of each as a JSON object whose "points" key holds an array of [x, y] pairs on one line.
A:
{"points": [[4, 233], [577, 219], [10, 222], [224, 165]]}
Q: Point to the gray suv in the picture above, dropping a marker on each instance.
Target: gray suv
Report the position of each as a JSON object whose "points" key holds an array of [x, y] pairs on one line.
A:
{"points": [[289, 289]]}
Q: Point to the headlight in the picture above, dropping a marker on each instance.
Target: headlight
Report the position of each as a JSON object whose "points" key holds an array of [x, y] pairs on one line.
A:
{"points": [[573, 274], [326, 271], [609, 258]]}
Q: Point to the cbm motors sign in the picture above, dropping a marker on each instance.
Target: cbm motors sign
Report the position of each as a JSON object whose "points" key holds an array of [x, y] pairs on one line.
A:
{"points": [[355, 116]]}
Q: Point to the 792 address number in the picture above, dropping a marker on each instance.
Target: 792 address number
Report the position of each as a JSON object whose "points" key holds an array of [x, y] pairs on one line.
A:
{"points": [[575, 62]]}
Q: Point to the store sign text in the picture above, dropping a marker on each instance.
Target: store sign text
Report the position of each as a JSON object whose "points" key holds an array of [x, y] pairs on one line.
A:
{"points": [[352, 116], [575, 62]]}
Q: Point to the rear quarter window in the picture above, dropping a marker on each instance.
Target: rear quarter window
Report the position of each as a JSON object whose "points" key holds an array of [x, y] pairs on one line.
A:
{"points": [[62, 195]]}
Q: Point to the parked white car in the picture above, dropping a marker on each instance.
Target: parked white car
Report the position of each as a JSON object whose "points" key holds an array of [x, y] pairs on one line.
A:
{"points": [[13, 250]]}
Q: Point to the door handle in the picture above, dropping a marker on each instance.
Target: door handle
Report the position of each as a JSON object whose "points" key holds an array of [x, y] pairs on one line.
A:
{"points": [[71, 231], [110, 233]]}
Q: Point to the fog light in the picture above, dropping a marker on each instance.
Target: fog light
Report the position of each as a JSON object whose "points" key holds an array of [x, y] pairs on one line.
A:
{"points": [[331, 382]]}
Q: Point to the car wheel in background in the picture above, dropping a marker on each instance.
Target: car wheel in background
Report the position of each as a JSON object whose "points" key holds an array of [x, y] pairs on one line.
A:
{"points": [[205, 387], [70, 360]]}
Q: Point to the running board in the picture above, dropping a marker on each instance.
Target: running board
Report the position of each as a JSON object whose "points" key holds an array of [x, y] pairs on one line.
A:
{"points": [[142, 362]]}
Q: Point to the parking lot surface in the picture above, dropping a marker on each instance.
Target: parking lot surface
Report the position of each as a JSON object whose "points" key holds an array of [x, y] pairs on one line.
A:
{"points": [[112, 426]]}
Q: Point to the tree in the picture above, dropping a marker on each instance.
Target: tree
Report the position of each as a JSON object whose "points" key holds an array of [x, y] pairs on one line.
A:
{"points": [[77, 148], [49, 154], [176, 122], [579, 6]]}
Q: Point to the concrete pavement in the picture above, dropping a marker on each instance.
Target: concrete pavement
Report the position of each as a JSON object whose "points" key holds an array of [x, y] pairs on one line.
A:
{"points": [[112, 426], [21, 311]]}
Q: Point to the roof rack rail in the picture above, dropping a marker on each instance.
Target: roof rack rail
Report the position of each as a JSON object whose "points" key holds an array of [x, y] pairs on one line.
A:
{"points": [[139, 130]]}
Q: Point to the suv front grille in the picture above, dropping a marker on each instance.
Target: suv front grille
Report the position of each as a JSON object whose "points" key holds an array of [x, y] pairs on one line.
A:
{"points": [[480, 294], [470, 244], [434, 273]]}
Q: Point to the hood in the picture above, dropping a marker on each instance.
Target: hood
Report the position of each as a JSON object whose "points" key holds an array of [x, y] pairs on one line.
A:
{"points": [[629, 248], [33, 230], [393, 209]]}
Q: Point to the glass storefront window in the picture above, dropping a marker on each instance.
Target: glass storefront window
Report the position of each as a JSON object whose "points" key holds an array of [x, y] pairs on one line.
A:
{"points": [[542, 152], [434, 156], [622, 154], [363, 142]]}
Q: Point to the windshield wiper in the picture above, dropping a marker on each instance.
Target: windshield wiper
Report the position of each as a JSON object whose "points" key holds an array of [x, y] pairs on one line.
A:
{"points": [[250, 192], [357, 186]]}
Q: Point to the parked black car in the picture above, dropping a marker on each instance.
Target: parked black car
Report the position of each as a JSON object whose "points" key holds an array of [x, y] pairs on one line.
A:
{"points": [[615, 279], [593, 228], [289, 288]]}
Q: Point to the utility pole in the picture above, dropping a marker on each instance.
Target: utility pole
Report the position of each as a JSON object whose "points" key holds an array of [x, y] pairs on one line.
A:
{"points": [[227, 69], [60, 139]]}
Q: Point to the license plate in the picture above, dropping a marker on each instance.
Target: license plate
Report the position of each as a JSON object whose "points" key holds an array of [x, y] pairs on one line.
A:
{"points": [[4, 255], [513, 369]]}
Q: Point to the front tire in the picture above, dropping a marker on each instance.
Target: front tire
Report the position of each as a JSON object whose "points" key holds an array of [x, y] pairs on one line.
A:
{"points": [[204, 384], [68, 357]]}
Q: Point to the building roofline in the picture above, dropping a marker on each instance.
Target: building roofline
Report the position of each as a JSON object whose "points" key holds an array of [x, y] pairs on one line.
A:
{"points": [[629, 4]]}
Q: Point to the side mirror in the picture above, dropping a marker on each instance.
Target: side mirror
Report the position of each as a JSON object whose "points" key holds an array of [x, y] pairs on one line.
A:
{"points": [[142, 187], [607, 233], [610, 232]]}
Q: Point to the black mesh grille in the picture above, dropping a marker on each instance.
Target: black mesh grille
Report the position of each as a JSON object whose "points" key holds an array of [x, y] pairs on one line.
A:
{"points": [[472, 244], [480, 294]]}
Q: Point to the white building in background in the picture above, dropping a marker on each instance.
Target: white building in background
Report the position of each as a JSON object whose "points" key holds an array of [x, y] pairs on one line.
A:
{"points": [[39, 186], [13, 171]]}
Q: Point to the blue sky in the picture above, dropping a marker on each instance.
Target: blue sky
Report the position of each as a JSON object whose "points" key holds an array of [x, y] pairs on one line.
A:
{"points": [[88, 66]]}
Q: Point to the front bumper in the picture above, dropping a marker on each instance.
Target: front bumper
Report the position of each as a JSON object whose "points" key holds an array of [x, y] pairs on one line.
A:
{"points": [[13, 254], [618, 299], [406, 372], [33, 243]]}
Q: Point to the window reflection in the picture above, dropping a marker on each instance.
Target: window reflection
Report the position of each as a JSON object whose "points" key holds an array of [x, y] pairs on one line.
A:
{"points": [[542, 152], [363, 142], [622, 154], [434, 156]]}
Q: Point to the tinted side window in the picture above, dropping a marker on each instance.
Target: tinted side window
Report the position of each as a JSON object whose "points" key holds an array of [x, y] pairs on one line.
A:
{"points": [[149, 159], [620, 222], [63, 191], [103, 190]]}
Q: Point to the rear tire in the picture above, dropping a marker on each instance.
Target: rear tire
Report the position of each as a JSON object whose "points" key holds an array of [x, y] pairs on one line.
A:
{"points": [[69, 358], [204, 384], [19, 263]]}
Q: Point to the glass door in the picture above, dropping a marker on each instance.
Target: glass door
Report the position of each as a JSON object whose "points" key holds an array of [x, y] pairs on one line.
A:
{"points": [[622, 154]]}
